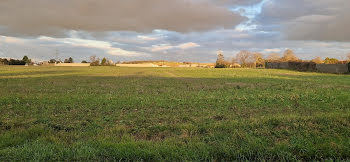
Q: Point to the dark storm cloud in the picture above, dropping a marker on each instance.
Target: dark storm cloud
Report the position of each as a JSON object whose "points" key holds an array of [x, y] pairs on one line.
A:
{"points": [[51, 17]]}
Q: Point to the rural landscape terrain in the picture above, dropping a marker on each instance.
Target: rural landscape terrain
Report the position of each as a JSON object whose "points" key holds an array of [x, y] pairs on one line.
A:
{"points": [[174, 80], [172, 114]]}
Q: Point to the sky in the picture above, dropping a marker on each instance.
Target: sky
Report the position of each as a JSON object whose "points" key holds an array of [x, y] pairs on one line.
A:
{"points": [[174, 30]]}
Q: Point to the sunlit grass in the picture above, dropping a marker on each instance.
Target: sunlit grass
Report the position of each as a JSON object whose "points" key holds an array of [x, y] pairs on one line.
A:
{"points": [[172, 114]]}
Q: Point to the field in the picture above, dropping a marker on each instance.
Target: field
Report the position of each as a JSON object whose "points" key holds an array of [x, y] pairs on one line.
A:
{"points": [[172, 114]]}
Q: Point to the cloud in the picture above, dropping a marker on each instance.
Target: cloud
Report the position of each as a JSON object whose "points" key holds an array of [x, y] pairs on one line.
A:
{"points": [[164, 47], [148, 38], [235, 2], [55, 17], [188, 45], [106, 46], [121, 52], [78, 42], [161, 47], [324, 20], [12, 40], [274, 50]]}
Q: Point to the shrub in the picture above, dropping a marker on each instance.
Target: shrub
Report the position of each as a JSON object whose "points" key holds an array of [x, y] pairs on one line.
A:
{"points": [[220, 66], [95, 63], [16, 62]]}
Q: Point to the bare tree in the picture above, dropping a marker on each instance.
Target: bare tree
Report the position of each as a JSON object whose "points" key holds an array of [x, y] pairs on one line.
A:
{"points": [[94, 61], [93, 58], [289, 56], [246, 58], [273, 57], [234, 61], [317, 60]]}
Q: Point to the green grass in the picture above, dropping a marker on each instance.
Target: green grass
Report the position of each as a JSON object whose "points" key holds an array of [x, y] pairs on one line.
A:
{"points": [[172, 114]]}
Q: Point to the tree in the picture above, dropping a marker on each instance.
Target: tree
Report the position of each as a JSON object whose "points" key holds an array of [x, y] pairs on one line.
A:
{"points": [[84, 61], [110, 63], [93, 58], [16, 62], [317, 60], [289, 56], [52, 61], [94, 61], [259, 60], [234, 62], [4, 61], [348, 56], [273, 57], [331, 61], [246, 59], [26, 60], [220, 61], [69, 60], [104, 61]]}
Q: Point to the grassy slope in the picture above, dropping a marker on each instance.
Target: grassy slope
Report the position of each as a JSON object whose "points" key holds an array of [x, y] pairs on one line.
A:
{"points": [[157, 114]]}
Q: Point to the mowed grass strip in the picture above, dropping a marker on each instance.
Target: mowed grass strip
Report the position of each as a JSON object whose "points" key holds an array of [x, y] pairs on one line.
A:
{"points": [[172, 114]]}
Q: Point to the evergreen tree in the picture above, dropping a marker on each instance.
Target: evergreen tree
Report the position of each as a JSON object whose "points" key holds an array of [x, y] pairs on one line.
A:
{"points": [[104, 61], [220, 62], [26, 60]]}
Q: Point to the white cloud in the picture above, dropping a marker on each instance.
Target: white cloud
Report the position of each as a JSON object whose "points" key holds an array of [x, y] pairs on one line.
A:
{"points": [[12, 40], [188, 45], [276, 50], [148, 38], [106, 46], [161, 47], [121, 52], [164, 47]]}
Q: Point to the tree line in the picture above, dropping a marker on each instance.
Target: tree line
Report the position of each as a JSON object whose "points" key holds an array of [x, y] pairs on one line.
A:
{"points": [[24, 61], [94, 61], [247, 59]]}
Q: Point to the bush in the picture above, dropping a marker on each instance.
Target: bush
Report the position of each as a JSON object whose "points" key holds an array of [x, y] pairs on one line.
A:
{"points": [[4, 61], [16, 62], [95, 63], [220, 66]]}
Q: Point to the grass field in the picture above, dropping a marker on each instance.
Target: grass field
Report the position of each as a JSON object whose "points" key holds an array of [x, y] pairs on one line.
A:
{"points": [[172, 114]]}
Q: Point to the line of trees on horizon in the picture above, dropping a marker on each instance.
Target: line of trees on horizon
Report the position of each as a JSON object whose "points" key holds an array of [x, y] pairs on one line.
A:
{"points": [[24, 61], [94, 61], [244, 59], [247, 59]]}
